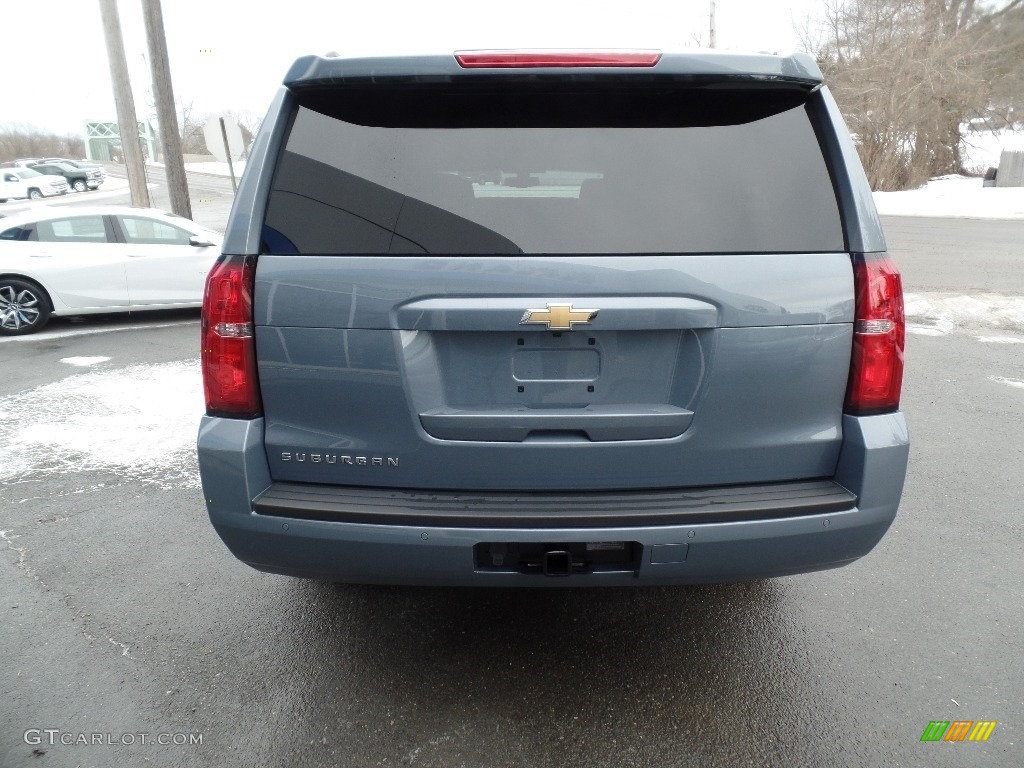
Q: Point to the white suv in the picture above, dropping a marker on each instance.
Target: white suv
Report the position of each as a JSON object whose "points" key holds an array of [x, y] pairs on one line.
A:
{"points": [[24, 182]]}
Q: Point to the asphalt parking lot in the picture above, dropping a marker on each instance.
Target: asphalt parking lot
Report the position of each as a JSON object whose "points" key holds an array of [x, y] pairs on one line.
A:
{"points": [[124, 617]]}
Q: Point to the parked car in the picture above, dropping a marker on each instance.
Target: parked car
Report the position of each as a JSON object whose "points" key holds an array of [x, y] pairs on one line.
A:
{"points": [[90, 260], [80, 179], [665, 347], [75, 164], [18, 183]]}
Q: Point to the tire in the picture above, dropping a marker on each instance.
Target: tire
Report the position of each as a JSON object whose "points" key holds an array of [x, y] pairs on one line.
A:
{"points": [[24, 307], [79, 185], [35, 194]]}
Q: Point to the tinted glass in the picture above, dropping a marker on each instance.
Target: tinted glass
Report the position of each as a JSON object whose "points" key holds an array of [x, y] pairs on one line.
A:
{"points": [[16, 233], [342, 187], [79, 229], [146, 231]]}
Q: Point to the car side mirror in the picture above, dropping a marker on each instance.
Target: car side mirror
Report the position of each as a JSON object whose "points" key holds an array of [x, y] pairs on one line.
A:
{"points": [[199, 241]]}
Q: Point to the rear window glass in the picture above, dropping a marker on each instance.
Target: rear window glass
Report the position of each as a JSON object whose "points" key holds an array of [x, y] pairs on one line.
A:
{"points": [[80, 229], [598, 186], [146, 231]]}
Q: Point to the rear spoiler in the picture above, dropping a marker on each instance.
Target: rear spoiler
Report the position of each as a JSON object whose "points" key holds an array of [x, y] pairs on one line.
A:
{"points": [[700, 66]]}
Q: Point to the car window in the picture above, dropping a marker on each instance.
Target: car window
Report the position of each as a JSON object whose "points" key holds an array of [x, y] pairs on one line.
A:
{"points": [[591, 181], [16, 233], [75, 229], [146, 231]]}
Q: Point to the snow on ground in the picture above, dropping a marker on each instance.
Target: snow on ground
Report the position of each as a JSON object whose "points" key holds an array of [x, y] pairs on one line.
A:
{"points": [[212, 167], [1009, 382], [1000, 340], [961, 196], [84, 362], [219, 169], [982, 148], [140, 422], [937, 314], [958, 196]]}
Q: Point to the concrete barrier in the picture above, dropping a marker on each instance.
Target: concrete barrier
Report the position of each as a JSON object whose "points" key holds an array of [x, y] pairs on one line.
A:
{"points": [[1011, 168]]}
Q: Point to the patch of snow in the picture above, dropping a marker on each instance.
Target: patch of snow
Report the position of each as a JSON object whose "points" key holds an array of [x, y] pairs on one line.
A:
{"points": [[936, 314], [1010, 382], [84, 362], [139, 421], [1000, 340], [218, 169], [983, 148], [957, 196]]}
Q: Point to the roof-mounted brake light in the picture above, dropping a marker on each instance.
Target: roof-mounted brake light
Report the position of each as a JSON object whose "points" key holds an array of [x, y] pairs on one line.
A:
{"points": [[579, 58]]}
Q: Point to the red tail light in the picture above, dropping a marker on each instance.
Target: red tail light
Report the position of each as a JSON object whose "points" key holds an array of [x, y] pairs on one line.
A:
{"points": [[507, 59], [879, 331], [229, 349]]}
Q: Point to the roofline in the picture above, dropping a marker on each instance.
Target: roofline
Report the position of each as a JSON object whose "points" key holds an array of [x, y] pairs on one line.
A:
{"points": [[699, 65], [41, 213]]}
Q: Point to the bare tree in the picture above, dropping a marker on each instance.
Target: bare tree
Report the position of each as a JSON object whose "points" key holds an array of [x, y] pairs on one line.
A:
{"points": [[908, 74], [250, 123], [192, 140], [248, 120], [22, 140]]}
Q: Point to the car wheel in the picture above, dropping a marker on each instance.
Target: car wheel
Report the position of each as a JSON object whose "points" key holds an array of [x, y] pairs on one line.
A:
{"points": [[24, 307], [35, 194], [79, 185]]}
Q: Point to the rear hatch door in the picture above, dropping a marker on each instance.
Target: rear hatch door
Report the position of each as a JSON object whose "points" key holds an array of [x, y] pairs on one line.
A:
{"points": [[563, 284]]}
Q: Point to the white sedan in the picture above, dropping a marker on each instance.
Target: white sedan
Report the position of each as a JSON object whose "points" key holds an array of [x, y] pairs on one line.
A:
{"points": [[79, 261]]}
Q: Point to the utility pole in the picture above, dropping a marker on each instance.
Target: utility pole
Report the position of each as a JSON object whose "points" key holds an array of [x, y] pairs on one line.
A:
{"points": [[128, 123], [712, 23], [170, 140]]}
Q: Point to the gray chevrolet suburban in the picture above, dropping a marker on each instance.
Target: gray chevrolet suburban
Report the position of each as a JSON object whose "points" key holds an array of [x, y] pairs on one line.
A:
{"points": [[512, 318]]}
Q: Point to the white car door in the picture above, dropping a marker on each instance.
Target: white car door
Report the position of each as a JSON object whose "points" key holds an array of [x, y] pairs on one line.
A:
{"points": [[78, 261], [10, 185], [163, 267]]}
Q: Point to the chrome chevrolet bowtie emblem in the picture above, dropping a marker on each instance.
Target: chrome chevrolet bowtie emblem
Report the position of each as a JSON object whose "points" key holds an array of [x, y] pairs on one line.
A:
{"points": [[558, 317]]}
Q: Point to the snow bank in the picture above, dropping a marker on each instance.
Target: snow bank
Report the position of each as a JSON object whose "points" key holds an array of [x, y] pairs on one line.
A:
{"points": [[954, 196], [982, 148]]}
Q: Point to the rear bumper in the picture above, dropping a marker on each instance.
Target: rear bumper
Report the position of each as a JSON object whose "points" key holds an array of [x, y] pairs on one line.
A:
{"points": [[693, 546]]}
